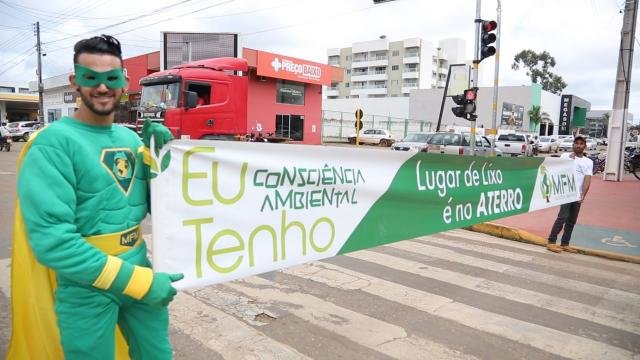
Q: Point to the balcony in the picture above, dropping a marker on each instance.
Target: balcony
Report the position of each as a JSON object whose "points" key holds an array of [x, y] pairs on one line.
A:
{"points": [[410, 74], [369, 90], [332, 91], [406, 88], [369, 62], [380, 75], [411, 59]]}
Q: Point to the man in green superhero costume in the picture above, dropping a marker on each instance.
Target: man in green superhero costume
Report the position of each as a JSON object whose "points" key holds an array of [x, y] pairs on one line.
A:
{"points": [[82, 194]]}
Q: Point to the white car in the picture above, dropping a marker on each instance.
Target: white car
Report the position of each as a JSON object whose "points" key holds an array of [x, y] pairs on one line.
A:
{"points": [[22, 129], [591, 144], [380, 137], [547, 144], [566, 144]]}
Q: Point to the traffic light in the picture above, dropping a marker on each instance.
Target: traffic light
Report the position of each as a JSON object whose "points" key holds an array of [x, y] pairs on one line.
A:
{"points": [[487, 37], [466, 104]]}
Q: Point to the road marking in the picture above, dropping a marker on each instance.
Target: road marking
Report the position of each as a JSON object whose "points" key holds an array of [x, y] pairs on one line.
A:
{"points": [[559, 265], [618, 297], [378, 335], [617, 240], [5, 277], [520, 295], [7, 173], [223, 333], [550, 340]]}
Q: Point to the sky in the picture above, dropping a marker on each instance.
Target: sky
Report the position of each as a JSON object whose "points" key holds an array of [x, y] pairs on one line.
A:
{"points": [[582, 35]]}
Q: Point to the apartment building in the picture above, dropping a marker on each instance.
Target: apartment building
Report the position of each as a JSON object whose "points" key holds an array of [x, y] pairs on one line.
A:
{"points": [[383, 68]]}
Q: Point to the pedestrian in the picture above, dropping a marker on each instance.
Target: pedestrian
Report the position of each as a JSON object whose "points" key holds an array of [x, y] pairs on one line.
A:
{"points": [[568, 214], [82, 194]]}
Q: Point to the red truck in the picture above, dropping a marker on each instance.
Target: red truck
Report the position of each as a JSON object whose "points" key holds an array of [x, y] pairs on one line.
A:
{"points": [[205, 99]]}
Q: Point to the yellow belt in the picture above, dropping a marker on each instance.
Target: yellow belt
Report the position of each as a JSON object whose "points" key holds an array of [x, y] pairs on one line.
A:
{"points": [[118, 242]]}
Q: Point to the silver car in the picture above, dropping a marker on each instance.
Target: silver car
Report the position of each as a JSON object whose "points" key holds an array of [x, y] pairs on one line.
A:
{"points": [[413, 142]]}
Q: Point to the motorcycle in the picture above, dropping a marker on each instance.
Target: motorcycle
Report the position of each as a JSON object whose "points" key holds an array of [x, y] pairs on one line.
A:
{"points": [[5, 143]]}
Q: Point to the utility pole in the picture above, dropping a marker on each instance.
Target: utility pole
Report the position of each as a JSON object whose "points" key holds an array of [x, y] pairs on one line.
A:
{"points": [[40, 86], [614, 168]]}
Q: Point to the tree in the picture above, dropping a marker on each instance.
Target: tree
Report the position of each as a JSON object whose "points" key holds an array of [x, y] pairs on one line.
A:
{"points": [[536, 116], [538, 66]]}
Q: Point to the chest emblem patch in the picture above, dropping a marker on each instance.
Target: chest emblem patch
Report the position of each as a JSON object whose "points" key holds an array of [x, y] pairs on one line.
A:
{"points": [[121, 164]]}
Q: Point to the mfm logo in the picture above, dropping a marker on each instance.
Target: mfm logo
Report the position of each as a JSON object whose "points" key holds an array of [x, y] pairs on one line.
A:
{"points": [[306, 70]]}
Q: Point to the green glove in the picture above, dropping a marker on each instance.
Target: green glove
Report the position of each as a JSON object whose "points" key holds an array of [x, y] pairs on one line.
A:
{"points": [[161, 292], [160, 132]]}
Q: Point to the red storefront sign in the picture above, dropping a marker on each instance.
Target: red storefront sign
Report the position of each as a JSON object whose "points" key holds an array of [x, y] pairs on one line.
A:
{"points": [[290, 68]]}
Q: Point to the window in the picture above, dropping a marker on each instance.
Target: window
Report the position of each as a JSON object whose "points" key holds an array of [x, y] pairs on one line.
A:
{"points": [[203, 90], [7, 89], [54, 114], [23, 90], [347, 85], [289, 92], [291, 126], [348, 71], [395, 67], [395, 53]]}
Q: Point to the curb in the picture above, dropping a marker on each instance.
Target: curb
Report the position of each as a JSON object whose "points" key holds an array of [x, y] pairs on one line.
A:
{"points": [[510, 233]]}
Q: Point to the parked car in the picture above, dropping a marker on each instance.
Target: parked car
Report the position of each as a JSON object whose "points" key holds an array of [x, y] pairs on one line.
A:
{"points": [[380, 137], [515, 144], [566, 144], [413, 142], [483, 146], [591, 144], [22, 129], [547, 144]]}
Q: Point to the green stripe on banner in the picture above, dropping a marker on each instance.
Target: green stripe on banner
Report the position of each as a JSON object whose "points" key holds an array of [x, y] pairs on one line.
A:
{"points": [[432, 193]]}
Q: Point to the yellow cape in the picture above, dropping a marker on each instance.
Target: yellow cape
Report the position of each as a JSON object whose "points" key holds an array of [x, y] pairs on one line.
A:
{"points": [[34, 330]]}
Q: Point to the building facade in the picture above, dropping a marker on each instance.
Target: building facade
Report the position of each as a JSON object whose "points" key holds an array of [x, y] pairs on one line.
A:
{"points": [[285, 95], [17, 102], [383, 68]]}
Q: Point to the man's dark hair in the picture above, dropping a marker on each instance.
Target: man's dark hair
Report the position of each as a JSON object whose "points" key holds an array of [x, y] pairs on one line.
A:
{"points": [[103, 44], [579, 138]]}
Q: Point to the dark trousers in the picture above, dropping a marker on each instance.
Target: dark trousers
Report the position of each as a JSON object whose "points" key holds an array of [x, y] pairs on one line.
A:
{"points": [[566, 217]]}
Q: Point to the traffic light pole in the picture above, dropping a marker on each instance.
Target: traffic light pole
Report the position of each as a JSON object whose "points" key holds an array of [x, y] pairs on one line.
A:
{"points": [[494, 115], [474, 76]]}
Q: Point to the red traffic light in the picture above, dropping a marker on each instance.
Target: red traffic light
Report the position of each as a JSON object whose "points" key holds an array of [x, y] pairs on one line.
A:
{"points": [[470, 95], [489, 25]]}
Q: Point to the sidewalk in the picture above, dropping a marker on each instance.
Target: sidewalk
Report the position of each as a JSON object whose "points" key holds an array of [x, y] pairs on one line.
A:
{"points": [[608, 224]]}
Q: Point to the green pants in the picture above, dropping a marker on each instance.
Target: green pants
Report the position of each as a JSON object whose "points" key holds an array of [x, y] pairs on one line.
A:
{"points": [[87, 318]]}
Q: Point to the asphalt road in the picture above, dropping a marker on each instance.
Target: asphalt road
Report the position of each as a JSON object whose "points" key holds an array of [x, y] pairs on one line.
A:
{"points": [[454, 295]]}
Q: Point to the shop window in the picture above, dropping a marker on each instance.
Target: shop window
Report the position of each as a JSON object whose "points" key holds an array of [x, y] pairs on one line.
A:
{"points": [[288, 92], [203, 90], [54, 114], [291, 126], [7, 89]]}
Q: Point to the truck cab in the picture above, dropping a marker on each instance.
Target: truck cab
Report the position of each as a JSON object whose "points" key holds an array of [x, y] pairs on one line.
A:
{"points": [[205, 99]]}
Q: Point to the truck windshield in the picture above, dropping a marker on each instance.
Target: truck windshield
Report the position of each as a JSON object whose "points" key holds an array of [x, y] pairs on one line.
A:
{"points": [[162, 96]]}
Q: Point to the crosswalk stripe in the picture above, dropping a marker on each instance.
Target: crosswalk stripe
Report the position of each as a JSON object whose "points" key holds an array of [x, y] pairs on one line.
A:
{"points": [[614, 266], [486, 286], [558, 264], [541, 337], [619, 298], [223, 333], [380, 336], [5, 277]]}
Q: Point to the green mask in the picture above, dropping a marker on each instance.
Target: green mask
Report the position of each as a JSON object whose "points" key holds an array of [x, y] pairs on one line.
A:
{"points": [[113, 79]]}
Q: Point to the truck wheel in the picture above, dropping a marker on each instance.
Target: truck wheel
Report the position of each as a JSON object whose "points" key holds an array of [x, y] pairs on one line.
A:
{"points": [[384, 142]]}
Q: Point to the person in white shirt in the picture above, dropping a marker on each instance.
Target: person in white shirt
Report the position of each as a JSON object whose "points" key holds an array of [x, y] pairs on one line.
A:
{"points": [[568, 214]]}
